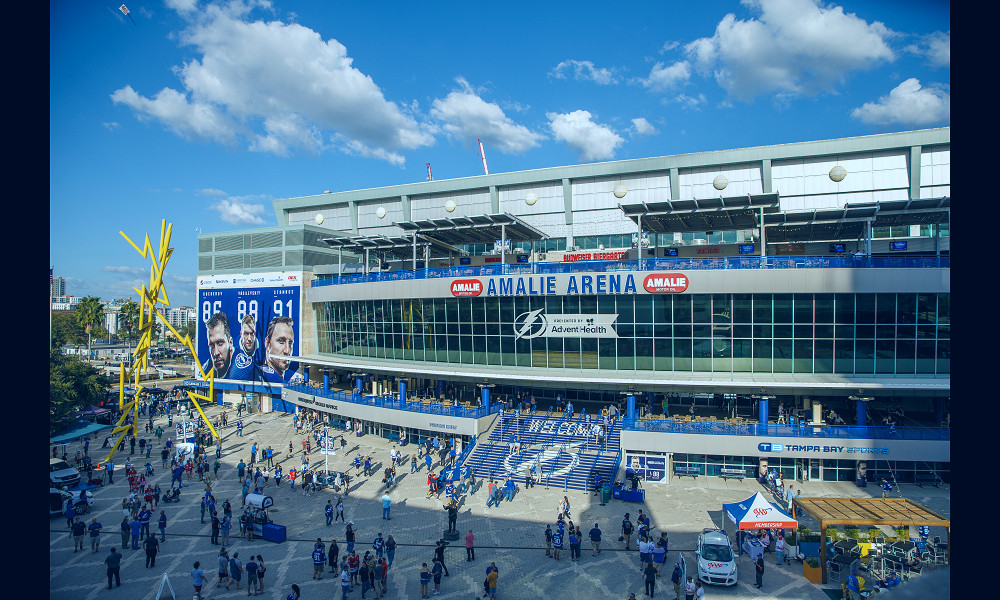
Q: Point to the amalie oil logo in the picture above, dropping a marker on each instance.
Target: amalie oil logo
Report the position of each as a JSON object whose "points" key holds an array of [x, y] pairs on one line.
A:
{"points": [[665, 283], [466, 287]]}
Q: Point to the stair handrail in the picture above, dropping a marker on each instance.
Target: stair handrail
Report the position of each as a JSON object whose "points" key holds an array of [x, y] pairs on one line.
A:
{"points": [[548, 476]]}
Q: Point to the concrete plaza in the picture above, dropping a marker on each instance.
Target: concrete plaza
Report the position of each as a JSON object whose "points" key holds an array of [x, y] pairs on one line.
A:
{"points": [[510, 535]]}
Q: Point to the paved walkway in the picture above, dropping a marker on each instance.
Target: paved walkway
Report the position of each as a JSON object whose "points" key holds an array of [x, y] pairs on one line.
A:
{"points": [[510, 535]]}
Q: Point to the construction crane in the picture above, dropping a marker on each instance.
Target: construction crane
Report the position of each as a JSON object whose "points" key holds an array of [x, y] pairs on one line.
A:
{"points": [[482, 154]]}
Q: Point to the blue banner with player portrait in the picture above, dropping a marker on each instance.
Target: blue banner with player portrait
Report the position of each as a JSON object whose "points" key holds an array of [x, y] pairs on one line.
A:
{"points": [[248, 325], [649, 468]]}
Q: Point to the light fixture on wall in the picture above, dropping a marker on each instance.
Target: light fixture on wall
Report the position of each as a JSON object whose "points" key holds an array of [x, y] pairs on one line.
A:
{"points": [[380, 212], [620, 191], [838, 173], [531, 198], [319, 218], [720, 182], [449, 206]]}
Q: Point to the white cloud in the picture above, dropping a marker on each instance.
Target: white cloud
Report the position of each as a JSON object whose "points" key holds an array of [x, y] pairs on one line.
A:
{"points": [[466, 116], [795, 47], [126, 270], [691, 101], [936, 47], [584, 70], [356, 148], [668, 46], [211, 192], [111, 126], [189, 119], [592, 141], [278, 87], [643, 127], [907, 104], [240, 212], [663, 78], [182, 6]]}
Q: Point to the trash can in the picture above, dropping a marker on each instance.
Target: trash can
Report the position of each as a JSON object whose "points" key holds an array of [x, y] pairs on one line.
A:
{"points": [[605, 494]]}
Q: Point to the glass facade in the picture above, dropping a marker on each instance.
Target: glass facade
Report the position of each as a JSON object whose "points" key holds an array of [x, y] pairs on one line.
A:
{"points": [[869, 334], [793, 469]]}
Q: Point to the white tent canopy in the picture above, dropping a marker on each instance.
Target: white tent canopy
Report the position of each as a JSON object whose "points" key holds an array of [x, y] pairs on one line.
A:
{"points": [[757, 512]]}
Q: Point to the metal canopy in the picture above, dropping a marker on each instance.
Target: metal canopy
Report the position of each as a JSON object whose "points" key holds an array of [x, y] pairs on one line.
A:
{"points": [[849, 223], [706, 214], [474, 230], [401, 246]]}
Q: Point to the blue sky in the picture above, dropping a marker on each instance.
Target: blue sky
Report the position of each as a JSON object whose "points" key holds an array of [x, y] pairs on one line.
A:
{"points": [[203, 113]]}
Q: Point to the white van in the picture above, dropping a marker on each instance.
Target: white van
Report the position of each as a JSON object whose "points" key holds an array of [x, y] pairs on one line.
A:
{"points": [[61, 475]]}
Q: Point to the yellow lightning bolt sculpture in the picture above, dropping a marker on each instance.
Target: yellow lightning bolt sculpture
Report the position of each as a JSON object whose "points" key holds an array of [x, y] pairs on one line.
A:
{"points": [[148, 312]]}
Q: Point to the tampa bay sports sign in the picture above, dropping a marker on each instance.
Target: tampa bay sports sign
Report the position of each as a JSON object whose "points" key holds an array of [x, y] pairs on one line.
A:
{"points": [[571, 284]]}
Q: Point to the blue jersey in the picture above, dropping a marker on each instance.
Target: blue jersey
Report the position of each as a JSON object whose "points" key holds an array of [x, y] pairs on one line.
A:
{"points": [[269, 375], [243, 365], [557, 539], [318, 556]]}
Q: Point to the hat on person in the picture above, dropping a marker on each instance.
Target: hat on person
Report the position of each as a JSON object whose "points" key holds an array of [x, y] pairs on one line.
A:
{"points": [[854, 571], [677, 564]]}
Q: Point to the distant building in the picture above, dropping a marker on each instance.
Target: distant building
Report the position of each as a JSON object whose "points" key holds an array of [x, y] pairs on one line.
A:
{"points": [[57, 288]]}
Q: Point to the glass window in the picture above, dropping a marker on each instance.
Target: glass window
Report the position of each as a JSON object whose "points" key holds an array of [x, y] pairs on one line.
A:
{"points": [[885, 356], [702, 354], [823, 356], [782, 356], [682, 354], [905, 357], [944, 309], [588, 353], [682, 309], [644, 353], [682, 331], [555, 353], [823, 331], [663, 357], [782, 331], [643, 308], [702, 308], [761, 355], [886, 311], [742, 308], [742, 355], [607, 349], [866, 308], [762, 332], [845, 309], [662, 309], [926, 309], [944, 356], [743, 331], [626, 354], [782, 308], [824, 308], [906, 308], [803, 308], [762, 309], [571, 351]]}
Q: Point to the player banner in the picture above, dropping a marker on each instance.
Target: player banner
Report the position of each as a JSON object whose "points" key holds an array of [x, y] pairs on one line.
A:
{"points": [[650, 468], [248, 328]]}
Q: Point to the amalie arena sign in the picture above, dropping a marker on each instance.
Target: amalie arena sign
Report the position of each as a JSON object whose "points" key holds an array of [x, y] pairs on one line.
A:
{"points": [[572, 284]]}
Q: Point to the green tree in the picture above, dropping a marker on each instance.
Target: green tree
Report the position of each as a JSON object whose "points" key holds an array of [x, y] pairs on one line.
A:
{"points": [[90, 316], [73, 384], [66, 329], [128, 320]]}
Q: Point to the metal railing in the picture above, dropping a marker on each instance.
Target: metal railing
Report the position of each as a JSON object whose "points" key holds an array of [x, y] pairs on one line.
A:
{"points": [[803, 430], [393, 403], [839, 261]]}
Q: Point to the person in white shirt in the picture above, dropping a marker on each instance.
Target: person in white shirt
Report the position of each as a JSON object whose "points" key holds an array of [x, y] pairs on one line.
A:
{"points": [[779, 549], [689, 589]]}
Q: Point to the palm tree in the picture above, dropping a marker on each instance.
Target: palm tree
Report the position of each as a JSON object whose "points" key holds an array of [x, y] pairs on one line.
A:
{"points": [[89, 314], [129, 315]]}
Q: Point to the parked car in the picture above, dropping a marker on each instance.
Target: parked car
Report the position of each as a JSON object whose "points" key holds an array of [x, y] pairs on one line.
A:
{"points": [[61, 475], [58, 499], [716, 560]]}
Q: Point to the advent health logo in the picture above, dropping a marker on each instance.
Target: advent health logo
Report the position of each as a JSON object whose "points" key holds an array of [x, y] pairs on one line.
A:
{"points": [[535, 323]]}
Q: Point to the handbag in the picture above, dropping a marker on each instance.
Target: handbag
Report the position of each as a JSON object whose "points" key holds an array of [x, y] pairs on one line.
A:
{"points": [[621, 538]]}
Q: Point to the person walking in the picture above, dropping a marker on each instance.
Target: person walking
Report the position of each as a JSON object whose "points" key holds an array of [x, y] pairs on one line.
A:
{"points": [[253, 570], [386, 503], [759, 566], [126, 531], [197, 578], [627, 529], [491, 582], [779, 549], [79, 528], [334, 555], [436, 572], [470, 549], [675, 578], [425, 579], [649, 575], [114, 562], [216, 529], [329, 513], [574, 545], [260, 573], [548, 540], [95, 535], [439, 556], [557, 542], [223, 569], [224, 526], [390, 551], [318, 556], [161, 523], [595, 540], [235, 570], [152, 546], [340, 510]]}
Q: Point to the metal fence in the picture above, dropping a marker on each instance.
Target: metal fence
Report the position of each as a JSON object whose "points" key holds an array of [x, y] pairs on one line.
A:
{"points": [[394, 403], [652, 264], [804, 430]]}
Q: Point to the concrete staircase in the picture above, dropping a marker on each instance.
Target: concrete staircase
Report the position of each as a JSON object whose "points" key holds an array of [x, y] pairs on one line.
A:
{"points": [[561, 448]]}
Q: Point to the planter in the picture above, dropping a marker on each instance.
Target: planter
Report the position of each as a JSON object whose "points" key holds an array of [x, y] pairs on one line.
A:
{"points": [[813, 574]]}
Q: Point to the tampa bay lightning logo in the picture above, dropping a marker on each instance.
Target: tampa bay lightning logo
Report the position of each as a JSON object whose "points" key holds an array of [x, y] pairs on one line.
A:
{"points": [[242, 360], [530, 324]]}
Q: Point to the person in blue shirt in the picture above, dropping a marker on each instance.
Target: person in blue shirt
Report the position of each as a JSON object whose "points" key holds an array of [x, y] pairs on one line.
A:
{"points": [[329, 513], [136, 528], [95, 535], [595, 539], [244, 358], [318, 557], [379, 545], [239, 428], [557, 542], [892, 580], [853, 585], [162, 524], [425, 579], [436, 572], [144, 516], [886, 488]]}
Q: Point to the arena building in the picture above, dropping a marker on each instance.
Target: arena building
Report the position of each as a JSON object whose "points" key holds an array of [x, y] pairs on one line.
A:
{"points": [[783, 305]]}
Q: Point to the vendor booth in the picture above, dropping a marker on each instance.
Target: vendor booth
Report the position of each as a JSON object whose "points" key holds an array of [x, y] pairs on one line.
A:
{"points": [[262, 525], [754, 513]]}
